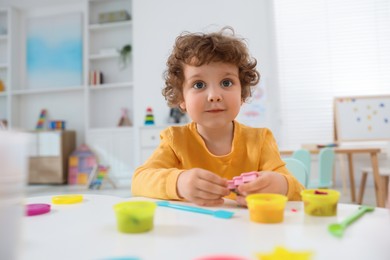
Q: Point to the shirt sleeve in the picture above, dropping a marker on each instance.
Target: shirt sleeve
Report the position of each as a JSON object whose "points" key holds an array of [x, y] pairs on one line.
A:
{"points": [[157, 177], [271, 161]]}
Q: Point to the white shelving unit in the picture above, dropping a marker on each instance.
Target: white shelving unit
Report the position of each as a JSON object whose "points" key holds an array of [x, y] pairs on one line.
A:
{"points": [[93, 111], [113, 144], [4, 63]]}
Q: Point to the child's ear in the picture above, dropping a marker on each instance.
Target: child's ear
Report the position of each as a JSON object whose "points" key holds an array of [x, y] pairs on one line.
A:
{"points": [[182, 106]]}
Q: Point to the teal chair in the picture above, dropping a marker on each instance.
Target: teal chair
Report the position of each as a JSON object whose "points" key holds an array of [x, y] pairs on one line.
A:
{"points": [[325, 169], [304, 156], [298, 170]]}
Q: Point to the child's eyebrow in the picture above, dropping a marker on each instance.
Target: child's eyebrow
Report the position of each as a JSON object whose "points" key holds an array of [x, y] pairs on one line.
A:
{"points": [[231, 74], [196, 76]]}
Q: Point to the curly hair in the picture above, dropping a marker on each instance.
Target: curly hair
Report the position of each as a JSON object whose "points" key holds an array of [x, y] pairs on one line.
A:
{"points": [[197, 49]]}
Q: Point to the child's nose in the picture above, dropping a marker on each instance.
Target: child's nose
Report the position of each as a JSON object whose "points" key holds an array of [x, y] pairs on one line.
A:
{"points": [[214, 95]]}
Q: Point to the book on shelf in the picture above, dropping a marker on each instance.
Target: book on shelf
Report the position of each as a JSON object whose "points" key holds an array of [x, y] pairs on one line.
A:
{"points": [[95, 77]]}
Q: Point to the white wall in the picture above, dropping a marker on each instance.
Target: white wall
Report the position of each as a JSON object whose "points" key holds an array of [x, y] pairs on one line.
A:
{"points": [[158, 23]]}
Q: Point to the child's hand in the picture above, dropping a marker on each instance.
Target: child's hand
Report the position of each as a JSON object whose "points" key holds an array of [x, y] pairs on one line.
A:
{"points": [[267, 182], [202, 187]]}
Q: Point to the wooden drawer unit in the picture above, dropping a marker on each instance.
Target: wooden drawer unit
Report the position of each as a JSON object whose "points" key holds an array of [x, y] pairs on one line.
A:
{"points": [[49, 153]]}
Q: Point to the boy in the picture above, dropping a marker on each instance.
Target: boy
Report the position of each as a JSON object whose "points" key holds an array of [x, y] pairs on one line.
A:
{"points": [[209, 76]]}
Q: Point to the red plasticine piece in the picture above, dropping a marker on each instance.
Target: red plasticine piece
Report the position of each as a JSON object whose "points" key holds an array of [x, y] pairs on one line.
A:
{"points": [[320, 192]]}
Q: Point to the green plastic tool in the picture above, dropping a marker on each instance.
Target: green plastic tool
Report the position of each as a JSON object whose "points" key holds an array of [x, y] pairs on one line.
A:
{"points": [[337, 229]]}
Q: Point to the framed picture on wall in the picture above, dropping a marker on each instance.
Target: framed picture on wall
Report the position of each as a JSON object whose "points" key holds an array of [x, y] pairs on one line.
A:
{"points": [[54, 49]]}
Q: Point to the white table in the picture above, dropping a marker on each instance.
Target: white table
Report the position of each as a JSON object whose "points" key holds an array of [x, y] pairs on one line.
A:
{"points": [[88, 231]]}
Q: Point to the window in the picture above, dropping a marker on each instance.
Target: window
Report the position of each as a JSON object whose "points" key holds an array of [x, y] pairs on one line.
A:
{"points": [[327, 48]]}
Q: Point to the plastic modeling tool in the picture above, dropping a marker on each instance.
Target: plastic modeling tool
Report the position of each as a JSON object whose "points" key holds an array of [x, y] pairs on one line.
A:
{"points": [[338, 229], [216, 213]]}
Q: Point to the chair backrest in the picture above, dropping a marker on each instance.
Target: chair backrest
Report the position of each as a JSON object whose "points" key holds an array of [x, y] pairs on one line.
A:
{"points": [[325, 167], [304, 156], [298, 169]]}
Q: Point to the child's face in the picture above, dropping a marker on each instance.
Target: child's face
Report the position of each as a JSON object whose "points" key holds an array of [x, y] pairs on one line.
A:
{"points": [[212, 93]]}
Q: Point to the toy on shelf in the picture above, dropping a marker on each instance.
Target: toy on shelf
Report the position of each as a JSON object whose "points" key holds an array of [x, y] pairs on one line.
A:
{"points": [[176, 116], [81, 163], [42, 120], [98, 176], [57, 125], [2, 86], [124, 120], [149, 118], [3, 124]]}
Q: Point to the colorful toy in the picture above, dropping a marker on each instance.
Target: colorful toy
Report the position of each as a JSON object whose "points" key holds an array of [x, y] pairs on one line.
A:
{"points": [[149, 118], [57, 125], [243, 178], [41, 120], [97, 177], [124, 120], [81, 163]]}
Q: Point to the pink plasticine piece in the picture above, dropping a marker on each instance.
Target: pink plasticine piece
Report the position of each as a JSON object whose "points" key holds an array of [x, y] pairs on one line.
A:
{"points": [[237, 180], [249, 176], [231, 185], [37, 209]]}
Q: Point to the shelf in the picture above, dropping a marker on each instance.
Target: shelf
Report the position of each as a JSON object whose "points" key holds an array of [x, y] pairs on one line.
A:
{"points": [[111, 86], [111, 129], [104, 26], [3, 66], [46, 90], [103, 56]]}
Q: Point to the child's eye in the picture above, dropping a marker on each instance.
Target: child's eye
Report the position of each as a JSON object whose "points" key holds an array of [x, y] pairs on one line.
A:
{"points": [[226, 83], [199, 85]]}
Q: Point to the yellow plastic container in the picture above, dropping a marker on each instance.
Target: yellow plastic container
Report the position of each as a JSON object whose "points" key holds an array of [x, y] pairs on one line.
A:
{"points": [[266, 208], [135, 216], [320, 202]]}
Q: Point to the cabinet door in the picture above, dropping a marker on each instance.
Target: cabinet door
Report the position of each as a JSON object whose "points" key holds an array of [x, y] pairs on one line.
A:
{"points": [[49, 144], [150, 137], [149, 140]]}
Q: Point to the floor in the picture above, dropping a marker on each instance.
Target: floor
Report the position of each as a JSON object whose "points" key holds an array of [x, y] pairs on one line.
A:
{"points": [[124, 192]]}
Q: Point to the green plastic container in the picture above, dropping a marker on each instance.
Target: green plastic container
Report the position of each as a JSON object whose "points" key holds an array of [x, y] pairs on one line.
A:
{"points": [[135, 216]]}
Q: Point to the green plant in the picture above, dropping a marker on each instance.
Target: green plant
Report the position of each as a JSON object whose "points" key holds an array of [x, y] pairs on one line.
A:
{"points": [[125, 55]]}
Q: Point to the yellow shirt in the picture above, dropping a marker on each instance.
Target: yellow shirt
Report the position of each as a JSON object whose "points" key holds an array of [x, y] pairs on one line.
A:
{"points": [[182, 148]]}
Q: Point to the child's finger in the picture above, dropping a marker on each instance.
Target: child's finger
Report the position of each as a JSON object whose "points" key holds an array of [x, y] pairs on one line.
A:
{"points": [[212, 188], [255, 186], [212, 177]]}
